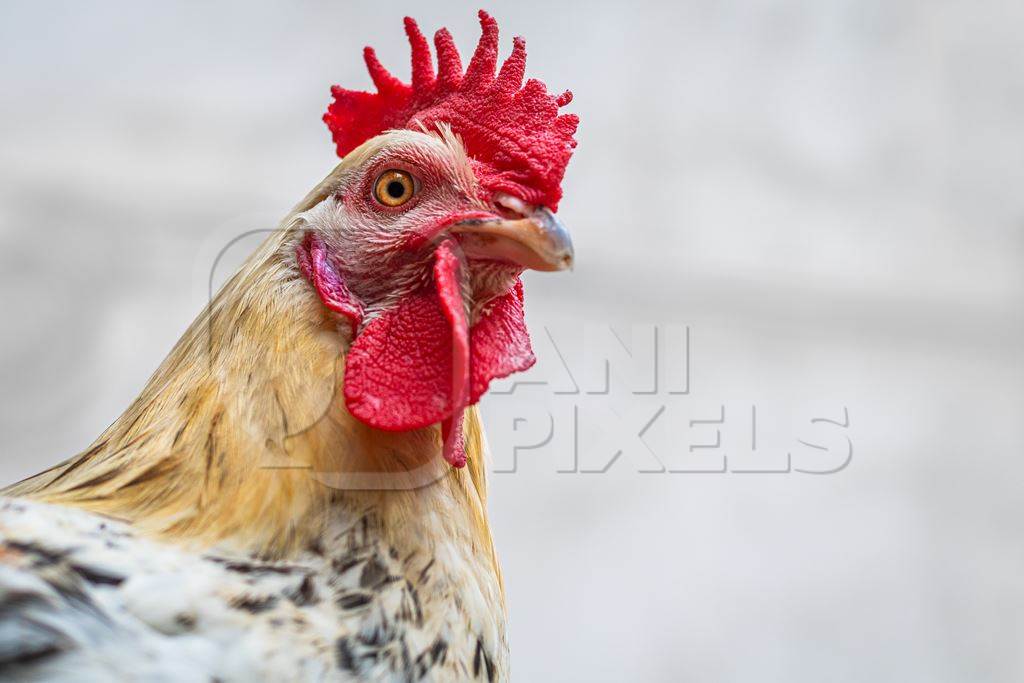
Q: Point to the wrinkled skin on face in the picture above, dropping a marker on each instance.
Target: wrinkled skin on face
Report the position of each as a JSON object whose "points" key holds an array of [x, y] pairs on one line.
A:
{"points": [[386, 252], [429, 289]]}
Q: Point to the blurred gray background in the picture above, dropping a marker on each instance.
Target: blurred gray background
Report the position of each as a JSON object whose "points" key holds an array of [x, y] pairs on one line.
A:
{"points": [[828, 193]]}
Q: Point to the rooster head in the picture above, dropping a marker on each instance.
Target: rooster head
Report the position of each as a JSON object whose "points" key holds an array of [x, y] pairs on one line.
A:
{"points": [[445, 194]]}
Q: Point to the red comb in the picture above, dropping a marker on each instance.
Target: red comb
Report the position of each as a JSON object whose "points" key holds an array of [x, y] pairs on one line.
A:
{"points": [[514, 131]]}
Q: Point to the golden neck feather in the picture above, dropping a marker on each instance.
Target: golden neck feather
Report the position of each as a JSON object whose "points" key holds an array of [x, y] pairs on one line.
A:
{"points": [[241, 437]]}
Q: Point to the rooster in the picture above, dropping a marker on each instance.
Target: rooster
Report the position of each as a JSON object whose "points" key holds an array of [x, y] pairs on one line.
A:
{"points": [[299, 492]]}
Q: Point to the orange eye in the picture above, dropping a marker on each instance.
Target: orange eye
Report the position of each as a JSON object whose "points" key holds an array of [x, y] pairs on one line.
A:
{"points": [[394, 188]]}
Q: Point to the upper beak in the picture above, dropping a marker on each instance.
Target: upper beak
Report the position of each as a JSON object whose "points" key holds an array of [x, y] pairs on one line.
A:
{"points": [[538, 241]]}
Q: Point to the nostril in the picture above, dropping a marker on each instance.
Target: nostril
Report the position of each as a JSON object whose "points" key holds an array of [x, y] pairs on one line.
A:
{"points": [[513, 207]]}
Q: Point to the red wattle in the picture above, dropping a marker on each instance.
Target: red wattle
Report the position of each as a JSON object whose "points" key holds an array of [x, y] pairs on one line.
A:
{"points": [[454, 445], [415, 365], [500, 343], [448, 275], [410, 367], [398, 372], [419, 363]]}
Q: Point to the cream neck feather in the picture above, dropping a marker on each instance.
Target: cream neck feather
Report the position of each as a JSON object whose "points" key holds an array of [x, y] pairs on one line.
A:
{"points": [[241, 438]]}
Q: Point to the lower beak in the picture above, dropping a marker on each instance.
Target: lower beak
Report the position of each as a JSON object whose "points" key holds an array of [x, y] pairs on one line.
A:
{"points": [[538, 241]]}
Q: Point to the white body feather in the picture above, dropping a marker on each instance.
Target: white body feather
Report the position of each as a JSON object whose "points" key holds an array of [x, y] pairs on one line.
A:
{"points": [[84, 598]]}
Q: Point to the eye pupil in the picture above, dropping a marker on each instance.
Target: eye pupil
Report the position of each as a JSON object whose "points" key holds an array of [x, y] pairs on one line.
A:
{"points": [[395, 189]]}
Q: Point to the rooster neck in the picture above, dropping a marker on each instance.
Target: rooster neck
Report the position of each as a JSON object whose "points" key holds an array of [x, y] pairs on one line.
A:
{"points": [[241, 439]]}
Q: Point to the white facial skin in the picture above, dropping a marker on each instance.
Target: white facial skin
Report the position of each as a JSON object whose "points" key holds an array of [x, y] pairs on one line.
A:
{"points": [[384, 252]]}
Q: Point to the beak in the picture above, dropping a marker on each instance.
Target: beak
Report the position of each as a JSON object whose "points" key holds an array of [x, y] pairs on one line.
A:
{"points": [[538, 241]]}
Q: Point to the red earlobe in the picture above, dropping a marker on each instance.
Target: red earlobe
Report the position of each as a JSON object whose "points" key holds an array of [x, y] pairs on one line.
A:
{"points": [[326, 280]]}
